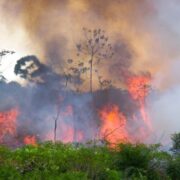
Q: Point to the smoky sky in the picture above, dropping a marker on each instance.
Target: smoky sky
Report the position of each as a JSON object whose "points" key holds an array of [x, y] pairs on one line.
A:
{"points": [[50, 29], [145, 35]]}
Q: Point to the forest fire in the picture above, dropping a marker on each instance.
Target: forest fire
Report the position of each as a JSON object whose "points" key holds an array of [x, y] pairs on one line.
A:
{"points": [[8, 124], [115, 125], [73, 124], [57, 109], [65, 131], [113, 128], [68, 134], [9, 128], [138, 87], [30, 140]]}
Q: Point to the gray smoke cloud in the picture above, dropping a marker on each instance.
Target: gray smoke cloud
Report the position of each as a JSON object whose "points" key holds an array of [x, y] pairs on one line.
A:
{"points": [[163, 106], [151, 30], [45, 94]]}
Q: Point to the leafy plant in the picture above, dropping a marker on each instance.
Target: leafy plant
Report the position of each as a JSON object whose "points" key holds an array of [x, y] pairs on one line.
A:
{"points": [[71, 161], [176, 142]]}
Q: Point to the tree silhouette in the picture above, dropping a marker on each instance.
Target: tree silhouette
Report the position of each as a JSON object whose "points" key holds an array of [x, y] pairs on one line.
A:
{"points": [[73, 72], [94, 48], [104, 83], [31, 69]]}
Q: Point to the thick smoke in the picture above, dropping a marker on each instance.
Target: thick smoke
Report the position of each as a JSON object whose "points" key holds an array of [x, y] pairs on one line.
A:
{"points": [[46, 94], [150, 31], [165, 115], [50, 29], [164, 105]]}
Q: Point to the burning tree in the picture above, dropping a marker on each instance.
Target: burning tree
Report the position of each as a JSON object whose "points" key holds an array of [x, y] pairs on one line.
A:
{"points": [[94, 48]]}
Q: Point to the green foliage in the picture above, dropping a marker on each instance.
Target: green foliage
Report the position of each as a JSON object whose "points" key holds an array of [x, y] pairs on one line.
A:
{"points": [[113, 175], [176, 142], [157, 168], [174, 168], [142, 162], [133, 156], [82, 162]]}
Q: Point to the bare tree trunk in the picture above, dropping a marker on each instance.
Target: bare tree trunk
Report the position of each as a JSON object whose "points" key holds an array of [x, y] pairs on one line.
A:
{"points": [[55, 129], [55, 125], [91, 72], [66, 82]]}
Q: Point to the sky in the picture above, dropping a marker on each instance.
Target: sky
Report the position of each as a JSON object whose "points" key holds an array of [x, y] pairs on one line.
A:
{"points": [[150, 29]]}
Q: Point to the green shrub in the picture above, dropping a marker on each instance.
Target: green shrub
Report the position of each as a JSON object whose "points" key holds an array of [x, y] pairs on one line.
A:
{"points": [[176, 142], [48, 161], [174, 168], [113, 175], [130, 155]]}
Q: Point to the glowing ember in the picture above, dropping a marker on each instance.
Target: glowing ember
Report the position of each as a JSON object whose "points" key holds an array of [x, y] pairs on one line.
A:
{"points": [[113, 127], [30, 140], [8, 123], [138, 87]]}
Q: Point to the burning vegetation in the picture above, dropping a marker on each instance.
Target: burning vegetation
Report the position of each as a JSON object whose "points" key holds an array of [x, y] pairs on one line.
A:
{"points": [[8, 124], [56, 106], [79, 103], [114, 125], [138, 87]]}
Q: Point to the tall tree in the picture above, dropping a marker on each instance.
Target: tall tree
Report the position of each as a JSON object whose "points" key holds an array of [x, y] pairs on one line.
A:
{"points": [[94, 48]]}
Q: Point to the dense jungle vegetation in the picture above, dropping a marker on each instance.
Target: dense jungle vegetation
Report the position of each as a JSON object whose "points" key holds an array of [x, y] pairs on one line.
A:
{"points": [[91, 161]]}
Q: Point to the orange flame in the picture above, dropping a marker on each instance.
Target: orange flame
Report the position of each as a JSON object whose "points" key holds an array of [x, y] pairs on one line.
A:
{"points": [[30, 140], [138, 87], [8, 123], [113, 127]]}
